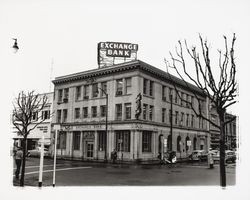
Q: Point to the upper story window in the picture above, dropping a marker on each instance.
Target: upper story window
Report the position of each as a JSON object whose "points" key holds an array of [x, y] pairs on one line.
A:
{"points": [[145, 86], [163, 114], [85, 112], [128, 86], [192, 101], [78, 92], [66, 95], [151, 113], [104, 88], [176, 97], [103, 110], [118, 110], [65, 115], [35, 116], [163, 93], [192, 121], [176, 117], [119, 86], [60, 95], [145, 111], [58, 116], [77, 113], [182, 119], [86, 92], [95, 90], [94, 111], [187, 101], [127, 110], [187, 120], [182, 99], [45, 114], [170, 94], [151, 88]]}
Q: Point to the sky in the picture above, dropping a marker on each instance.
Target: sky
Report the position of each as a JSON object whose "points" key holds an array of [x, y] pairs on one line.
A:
{"points": [[60, 37]]}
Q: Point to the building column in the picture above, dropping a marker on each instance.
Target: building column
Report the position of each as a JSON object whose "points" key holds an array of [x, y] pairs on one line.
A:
{"points": [[96, 145], [68, 152]]}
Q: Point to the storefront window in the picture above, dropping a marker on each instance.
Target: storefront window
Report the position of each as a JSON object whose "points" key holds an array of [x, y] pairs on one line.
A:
{"points": [[76, 140], [101, 140], [122, 140], [146, 141]]}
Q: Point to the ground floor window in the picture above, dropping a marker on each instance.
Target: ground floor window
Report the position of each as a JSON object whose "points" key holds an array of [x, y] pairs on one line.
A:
{"points": [[122, 141], [178, 143], [61, 140], [76, 140], [146, 141], [101, 140]]}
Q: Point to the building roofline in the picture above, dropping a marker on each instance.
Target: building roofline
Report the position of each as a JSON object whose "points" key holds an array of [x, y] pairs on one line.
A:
{"points": [[136, 64]]}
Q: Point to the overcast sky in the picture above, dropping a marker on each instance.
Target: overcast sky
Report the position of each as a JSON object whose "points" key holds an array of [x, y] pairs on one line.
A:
{"points": [[60, 37]]}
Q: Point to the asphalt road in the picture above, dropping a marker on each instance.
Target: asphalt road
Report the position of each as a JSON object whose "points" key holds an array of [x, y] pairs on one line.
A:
{"points": [[77, 173]]}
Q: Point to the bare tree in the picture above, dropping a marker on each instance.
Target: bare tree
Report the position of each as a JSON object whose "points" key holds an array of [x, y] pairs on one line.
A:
{"points": [[25, 107], [221, 92]]}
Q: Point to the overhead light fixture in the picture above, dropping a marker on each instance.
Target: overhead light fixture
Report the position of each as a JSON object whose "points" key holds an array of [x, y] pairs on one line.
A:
{"points": [[15, 47]]}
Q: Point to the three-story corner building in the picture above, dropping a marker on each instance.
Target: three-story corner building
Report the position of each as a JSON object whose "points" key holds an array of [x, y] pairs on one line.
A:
{"points": [[139, 111]]}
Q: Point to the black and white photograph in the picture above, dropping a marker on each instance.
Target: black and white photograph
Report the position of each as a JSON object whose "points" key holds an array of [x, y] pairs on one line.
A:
{"points": [[125, 99]]}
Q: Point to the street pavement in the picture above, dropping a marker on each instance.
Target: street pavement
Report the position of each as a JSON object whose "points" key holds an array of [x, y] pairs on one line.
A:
{"points": [[78, 173]]}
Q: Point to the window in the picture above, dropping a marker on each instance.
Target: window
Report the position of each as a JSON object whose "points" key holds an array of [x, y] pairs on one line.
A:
{"points": [[176, 97], [187, 120], [151, 88], [45, 114], [85, 112], [76, 140], [170, 116], [58, 116], [95, 90], [187, 140], [163, 93], [127, 110], [187, 101], [94, 111], [192, 101], [86, 92], [77, 113], [151, 113], [163, 114], [145, 86], [103, 110], [146, 141], [35, 116], [103, 88], [182, 99], [61, 143], [182, 119], [179, 143], [66, 95], [169, 142], [119, 86], [192, 121], [128, 87], [170, 94], [65, 115], [122, 139], [176, 117], [101, 140], [145, 111], [194, 143], [78, 92], [118, 108], [60, 95]]}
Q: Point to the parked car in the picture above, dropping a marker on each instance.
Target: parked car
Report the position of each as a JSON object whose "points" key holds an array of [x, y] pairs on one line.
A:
{"points": [[37, 151], [230, 156], [198, 155]]}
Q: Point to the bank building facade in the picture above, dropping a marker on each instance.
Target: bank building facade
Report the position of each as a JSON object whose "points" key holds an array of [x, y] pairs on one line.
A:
{"points": [[126, 107]]}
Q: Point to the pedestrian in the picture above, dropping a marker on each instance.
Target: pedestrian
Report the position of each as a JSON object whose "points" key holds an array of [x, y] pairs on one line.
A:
{"points": [[18, 160], [114, 156], [210, 160]]}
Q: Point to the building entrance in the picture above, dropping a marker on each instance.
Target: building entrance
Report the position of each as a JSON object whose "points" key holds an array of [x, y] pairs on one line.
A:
{"points": [[89, 150]]}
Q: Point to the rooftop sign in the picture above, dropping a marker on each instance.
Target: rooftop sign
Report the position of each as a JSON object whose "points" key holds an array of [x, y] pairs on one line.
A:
{"points": [[109, 52]]}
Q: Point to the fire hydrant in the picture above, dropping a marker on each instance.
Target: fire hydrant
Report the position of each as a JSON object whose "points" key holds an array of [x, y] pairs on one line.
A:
{"points": [[210, 161]]}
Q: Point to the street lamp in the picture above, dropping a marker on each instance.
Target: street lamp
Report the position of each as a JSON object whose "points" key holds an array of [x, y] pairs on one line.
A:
{"points": [[15, 46], [106, 124]]}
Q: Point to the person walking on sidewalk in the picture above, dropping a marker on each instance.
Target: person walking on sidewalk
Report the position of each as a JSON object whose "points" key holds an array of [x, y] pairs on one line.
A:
{"points": [[18, 159]]}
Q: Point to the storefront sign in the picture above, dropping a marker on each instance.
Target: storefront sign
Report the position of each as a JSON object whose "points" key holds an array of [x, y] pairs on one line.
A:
{"points": [[44, 129], [88, 127], [89, 135]]}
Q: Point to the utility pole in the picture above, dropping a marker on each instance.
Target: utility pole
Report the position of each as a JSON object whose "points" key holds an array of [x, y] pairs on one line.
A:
{"points": [[171, 122]]}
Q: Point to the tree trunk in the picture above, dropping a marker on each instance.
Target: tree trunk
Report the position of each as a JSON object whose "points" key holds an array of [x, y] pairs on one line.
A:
{"points": [[23, 162], [222, 150]]}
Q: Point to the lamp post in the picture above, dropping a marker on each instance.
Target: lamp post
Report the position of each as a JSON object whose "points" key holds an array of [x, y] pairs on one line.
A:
{"points": [[106, 124]]}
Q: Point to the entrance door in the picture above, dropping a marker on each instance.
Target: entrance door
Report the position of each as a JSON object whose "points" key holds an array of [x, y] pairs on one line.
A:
{"points": [[90, 149]]}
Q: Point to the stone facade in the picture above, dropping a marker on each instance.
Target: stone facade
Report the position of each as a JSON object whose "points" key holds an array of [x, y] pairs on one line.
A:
{"points": [[79, 109]]}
